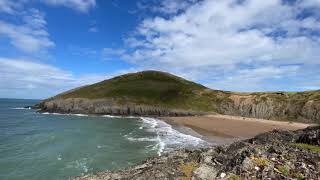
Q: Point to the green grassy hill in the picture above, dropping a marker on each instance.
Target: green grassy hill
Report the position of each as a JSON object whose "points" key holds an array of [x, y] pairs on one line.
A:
{"points": [[163, 90], [147, 87]]}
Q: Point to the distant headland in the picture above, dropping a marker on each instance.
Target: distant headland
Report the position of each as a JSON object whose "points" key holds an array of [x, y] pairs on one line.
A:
{"points": [[155, 93]]}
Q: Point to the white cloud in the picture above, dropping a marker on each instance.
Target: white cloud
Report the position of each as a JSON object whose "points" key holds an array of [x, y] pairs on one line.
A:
{"points": [[82, 51], [93, 29], [240, 36], [29, 79], [13, 6], [8, 6], [30, 36], [109, 53], [79, 5], [165, 6], [311, 3], [257, 79]]}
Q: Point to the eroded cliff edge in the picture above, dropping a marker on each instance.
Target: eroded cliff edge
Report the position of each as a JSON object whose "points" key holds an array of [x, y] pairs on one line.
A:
{"points": [[109, 107], [300, 106]]}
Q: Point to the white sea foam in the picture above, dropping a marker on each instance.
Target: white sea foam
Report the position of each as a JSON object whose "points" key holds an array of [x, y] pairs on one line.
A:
{"points": [[81, 115], [59, 158], [142, 139], [20, 108], [101, 146], [85, 115], [127, 117], [81, 164], [110, 116], [167, 138]]}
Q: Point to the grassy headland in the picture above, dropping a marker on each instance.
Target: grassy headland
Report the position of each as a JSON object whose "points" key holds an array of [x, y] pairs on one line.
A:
{"points": [[164, 90]]}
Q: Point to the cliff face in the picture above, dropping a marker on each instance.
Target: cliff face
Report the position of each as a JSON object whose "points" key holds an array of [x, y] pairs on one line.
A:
{"points": [[153, 93], [277, 107], [106, 106]]}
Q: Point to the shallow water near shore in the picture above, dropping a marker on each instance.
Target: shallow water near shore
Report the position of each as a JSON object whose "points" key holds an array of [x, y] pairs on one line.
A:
{"points": [[55, 146]]}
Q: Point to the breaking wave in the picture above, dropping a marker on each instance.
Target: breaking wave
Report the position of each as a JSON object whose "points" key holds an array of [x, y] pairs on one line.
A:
{"points": [[166, 137]]}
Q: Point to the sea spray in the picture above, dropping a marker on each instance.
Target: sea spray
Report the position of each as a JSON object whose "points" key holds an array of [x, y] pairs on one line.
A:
{"points": [[166, 136]]}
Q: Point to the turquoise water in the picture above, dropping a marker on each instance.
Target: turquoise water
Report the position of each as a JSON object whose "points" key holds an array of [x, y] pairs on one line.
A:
{"points": [[52, 146]]}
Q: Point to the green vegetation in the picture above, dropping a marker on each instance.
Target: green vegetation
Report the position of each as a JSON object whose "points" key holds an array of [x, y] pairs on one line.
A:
{"points": [[147, 87], [161, 89], [234, 177], [187, 169], [283, 170], [261, 162], [299, 176], [312, 148]]}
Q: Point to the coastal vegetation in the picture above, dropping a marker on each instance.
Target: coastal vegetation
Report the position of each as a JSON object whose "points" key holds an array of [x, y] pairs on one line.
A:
{"points": [[313, 148], [162, 94]]}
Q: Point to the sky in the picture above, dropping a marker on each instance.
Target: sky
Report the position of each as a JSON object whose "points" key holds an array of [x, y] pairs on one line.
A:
{"points": [[50, 46]]}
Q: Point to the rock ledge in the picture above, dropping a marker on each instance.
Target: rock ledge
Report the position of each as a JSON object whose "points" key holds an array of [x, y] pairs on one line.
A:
{"points": [[272, 155]]}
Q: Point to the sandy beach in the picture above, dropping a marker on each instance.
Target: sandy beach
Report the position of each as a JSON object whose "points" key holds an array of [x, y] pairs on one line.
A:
{"points": [[225, 128]]}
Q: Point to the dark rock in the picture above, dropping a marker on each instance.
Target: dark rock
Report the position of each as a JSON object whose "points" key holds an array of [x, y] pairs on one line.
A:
{"points": [[108, 106], [270, 157], [310, 137]]}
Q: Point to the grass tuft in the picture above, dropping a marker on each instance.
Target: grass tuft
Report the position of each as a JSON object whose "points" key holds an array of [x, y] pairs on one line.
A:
{"points": [[261, 162], [187, 169], [312, 148], [283, 170]]}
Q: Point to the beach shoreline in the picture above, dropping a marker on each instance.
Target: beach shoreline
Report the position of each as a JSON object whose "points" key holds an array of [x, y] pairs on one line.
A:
{"points": [[225, 129]]}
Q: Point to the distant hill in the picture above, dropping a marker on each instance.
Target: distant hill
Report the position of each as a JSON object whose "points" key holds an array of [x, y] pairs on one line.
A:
{"points": [[147, 87], [154, 93]]}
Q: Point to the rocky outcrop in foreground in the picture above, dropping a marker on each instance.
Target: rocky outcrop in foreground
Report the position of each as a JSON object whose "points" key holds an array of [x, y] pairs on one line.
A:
{"points": [[273, 155]]}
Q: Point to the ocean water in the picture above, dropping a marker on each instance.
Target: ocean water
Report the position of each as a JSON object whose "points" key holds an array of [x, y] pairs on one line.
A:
{"points": [[54, 146]]}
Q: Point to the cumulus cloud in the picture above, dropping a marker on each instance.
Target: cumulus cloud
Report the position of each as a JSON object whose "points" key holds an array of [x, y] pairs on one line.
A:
{"points": [[12, 7], [268, 78], [109, 53], [39, 80], [31, 36], [211, 38], [79, 5], [165, 6], [8, 6]]}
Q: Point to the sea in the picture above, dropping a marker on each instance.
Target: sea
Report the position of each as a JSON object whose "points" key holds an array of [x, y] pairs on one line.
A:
{"points": [[38, 146]]}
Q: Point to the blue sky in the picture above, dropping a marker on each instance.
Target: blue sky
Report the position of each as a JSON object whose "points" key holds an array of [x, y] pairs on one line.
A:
{"points": [[49, 46]]}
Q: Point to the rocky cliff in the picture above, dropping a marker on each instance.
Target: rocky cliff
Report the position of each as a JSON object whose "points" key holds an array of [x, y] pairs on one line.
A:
{"points": [[153, 93], [272, 155], [302, 106], [107, 106]]}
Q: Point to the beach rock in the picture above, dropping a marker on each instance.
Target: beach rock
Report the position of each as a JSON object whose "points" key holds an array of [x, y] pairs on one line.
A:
{"points": [[310, 137], [205, 172], [271, 156]]}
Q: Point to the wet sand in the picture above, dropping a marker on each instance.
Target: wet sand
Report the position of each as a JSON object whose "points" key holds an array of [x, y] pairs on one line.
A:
{"points": [[225, 128]]}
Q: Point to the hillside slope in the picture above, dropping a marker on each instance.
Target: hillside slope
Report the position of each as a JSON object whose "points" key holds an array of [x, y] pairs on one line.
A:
{"points": [[154, 93]]}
